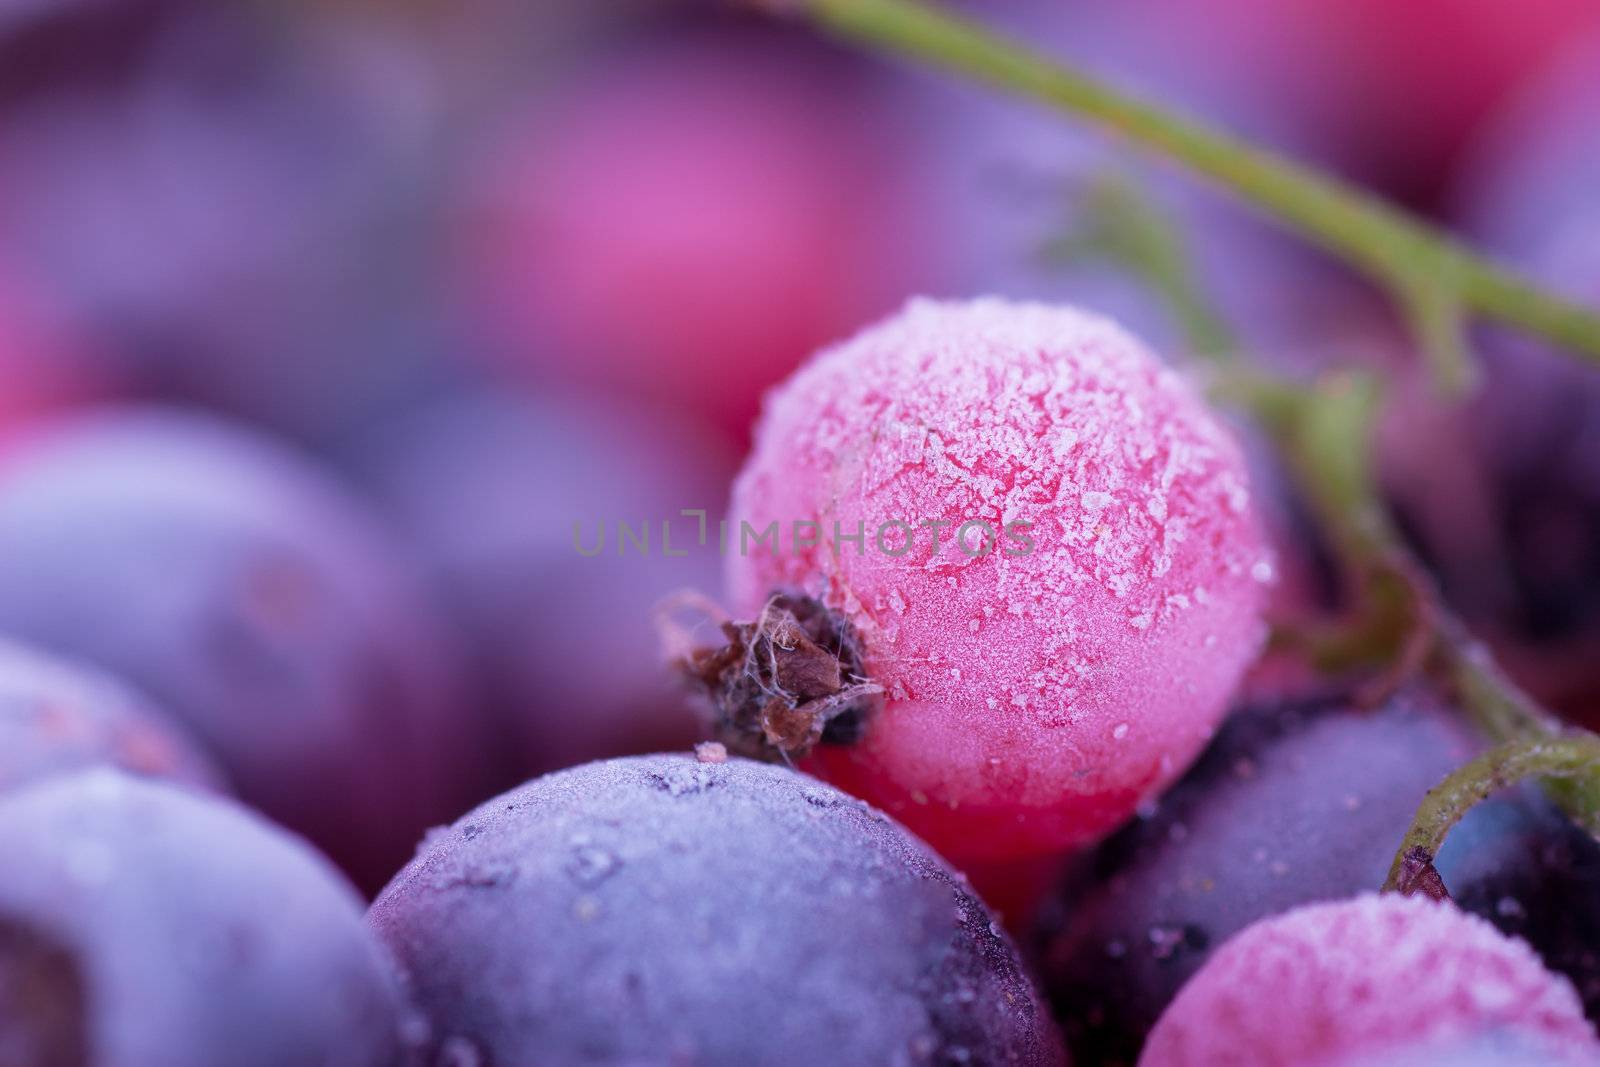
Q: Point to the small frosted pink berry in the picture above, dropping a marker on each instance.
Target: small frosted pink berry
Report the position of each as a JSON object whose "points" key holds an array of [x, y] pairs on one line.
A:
{"points": [[1367, 977], [1040, 565]]}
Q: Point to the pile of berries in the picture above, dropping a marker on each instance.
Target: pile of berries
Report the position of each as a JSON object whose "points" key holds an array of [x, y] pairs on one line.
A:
{"points": [[393, 712], [1053, 595]]}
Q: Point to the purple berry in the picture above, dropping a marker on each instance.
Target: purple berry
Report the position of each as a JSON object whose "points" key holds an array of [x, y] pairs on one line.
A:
{"points": [[233, 197], [661, 909], [1292, 804], [142, 925], [58, 716], [257, 602]]}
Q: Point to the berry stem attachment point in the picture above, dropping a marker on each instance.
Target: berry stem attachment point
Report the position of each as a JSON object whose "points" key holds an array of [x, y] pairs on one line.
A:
{"points": [[778, 685]]}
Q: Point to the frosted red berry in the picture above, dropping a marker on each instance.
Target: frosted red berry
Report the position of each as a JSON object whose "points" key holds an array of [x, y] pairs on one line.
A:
{"points": [[1360, 977], [1095, 593]]}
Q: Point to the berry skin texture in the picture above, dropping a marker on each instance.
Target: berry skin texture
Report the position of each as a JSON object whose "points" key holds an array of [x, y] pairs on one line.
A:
{"points": [[57, 716], [1363, 976], [1034, 695], [225, 578], [1497, 1049], [143, 925], [667, 908]]}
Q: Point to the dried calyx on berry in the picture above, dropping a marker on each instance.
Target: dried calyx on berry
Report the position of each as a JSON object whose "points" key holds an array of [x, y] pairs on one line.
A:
{"points": [[784, 682]]}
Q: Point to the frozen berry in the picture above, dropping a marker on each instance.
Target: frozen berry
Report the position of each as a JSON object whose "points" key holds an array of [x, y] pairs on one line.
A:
{"points": [[1030, 536], [690, 218], [525, 544], [668, 908], [145, 926], [58, 716], [1499, 1048], [255, 600], [1363, 976], [1293, 803]]}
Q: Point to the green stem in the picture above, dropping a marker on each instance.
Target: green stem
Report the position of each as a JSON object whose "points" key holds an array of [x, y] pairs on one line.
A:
{"points": [[1429, 272], [1446, 804]]}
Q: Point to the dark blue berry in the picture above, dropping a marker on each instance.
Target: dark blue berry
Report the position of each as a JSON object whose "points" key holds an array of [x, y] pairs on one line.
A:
{"points": [[659, 909], [225, 577]]}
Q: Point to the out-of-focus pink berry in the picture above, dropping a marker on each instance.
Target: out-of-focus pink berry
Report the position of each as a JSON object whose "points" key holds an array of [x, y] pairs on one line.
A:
{"points": [[1328, 983], [689, 219], [1095, 593]]}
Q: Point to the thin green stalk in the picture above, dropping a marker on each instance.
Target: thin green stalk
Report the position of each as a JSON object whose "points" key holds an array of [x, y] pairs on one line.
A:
{"points": [[1325, 431], [1436, 278], [1446, 804]]}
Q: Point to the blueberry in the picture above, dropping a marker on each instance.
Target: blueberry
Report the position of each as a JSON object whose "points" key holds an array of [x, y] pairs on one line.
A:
{"points": [[142, 925], [58, 716], [661, 909], [1295, 803], [259, 603]]}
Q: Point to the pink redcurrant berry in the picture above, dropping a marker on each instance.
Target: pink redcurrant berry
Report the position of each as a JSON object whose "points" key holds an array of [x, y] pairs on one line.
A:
{"points": [[1355, 978], [1013, 580]]}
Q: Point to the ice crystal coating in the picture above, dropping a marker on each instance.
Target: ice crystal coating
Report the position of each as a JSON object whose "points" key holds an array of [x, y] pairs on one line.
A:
{"points": [[667, 908], [1362, 976], [1058, 576]]}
